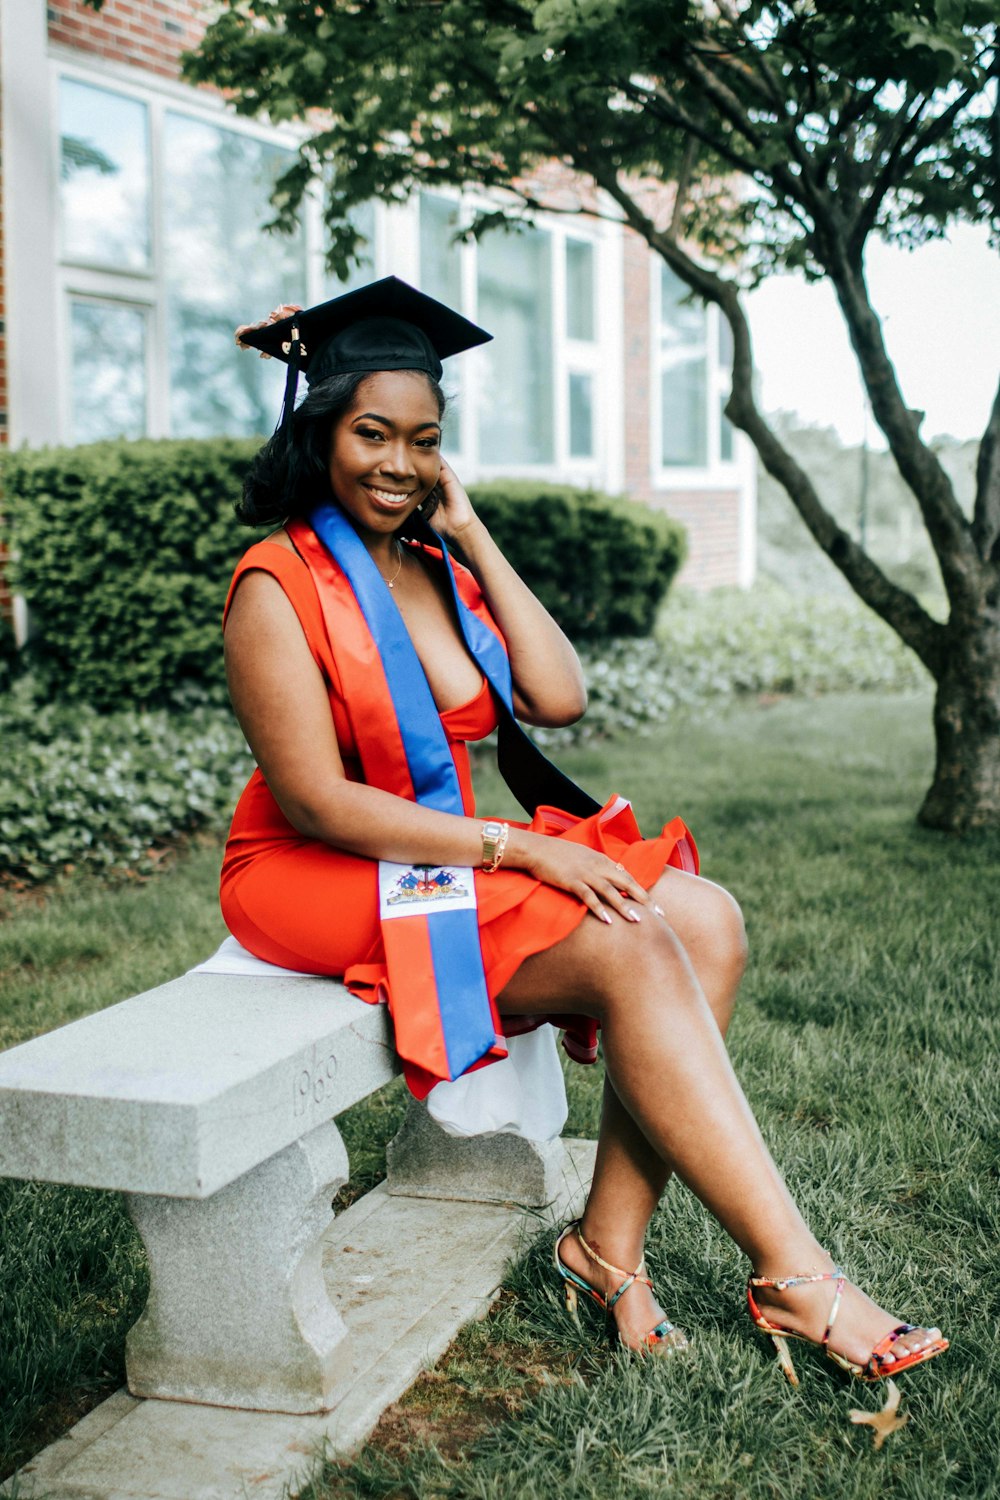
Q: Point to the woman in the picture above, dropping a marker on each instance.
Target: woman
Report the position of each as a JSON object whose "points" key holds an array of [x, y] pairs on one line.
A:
{"points": [[578, 918]]}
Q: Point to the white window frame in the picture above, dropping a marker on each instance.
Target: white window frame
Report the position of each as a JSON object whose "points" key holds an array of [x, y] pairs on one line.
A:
{"points": [[602, 359], [717, 473], [147, 287]]}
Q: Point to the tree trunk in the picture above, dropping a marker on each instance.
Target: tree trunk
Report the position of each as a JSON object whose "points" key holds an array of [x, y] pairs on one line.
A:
{"points": [[965, 792]]}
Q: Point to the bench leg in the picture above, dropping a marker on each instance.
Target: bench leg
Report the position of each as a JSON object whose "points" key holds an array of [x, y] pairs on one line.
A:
{"points": [[424, 1161], [238, 1313]]}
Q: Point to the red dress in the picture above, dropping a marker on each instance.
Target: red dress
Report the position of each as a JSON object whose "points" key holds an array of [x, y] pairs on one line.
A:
{"points": [[303, 904]]}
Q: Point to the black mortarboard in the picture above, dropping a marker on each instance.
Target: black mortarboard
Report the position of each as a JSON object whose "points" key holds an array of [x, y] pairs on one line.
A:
{"points": [[387, 325]]}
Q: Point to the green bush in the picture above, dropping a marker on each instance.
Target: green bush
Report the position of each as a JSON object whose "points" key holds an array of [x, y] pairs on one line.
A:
{"points": [[709, 647], [600, 564], [125, 550], [106, 791]]}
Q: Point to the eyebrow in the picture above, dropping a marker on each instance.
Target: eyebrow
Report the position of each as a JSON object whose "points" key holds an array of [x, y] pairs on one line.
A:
{"points": [[387, 422]]}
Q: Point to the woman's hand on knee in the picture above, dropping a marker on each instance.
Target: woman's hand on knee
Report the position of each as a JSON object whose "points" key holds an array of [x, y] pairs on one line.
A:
{"points": [[603, 886]]}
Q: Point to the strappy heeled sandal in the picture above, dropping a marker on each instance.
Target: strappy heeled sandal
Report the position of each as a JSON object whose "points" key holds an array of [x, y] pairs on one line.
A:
{"points": [[880, 1364], [663, 1338]]}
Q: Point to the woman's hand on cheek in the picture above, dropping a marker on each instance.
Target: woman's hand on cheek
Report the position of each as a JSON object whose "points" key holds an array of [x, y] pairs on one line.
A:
{"points": [[455, 512]]}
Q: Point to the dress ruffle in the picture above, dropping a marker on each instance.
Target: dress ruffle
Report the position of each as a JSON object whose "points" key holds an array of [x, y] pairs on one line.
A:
{"points": [[520, 916]]}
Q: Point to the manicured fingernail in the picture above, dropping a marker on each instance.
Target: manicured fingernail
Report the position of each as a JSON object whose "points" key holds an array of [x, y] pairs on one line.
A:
{"points": [[658, 910], [633, 915], [606, 917]]}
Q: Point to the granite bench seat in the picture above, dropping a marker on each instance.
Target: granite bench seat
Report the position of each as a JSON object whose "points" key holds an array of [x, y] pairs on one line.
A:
{"points": [[210, 1103]]}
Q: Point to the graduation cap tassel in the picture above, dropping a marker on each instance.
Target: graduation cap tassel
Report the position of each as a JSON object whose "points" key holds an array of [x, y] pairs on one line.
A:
{"points": [[294, 351]]}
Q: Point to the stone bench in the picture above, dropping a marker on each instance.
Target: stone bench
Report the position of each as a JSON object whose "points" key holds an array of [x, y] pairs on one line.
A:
{"points": [[210, 1103]]}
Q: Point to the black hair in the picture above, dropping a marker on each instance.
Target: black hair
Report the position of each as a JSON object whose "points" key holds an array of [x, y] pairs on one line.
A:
{"points": [[291, 474]]}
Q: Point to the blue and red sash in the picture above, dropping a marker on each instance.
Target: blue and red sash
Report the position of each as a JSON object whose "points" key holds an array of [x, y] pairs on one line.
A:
{"points": [[445, 1022]]}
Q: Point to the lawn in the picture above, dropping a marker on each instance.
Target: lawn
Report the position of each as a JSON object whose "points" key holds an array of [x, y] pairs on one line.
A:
{"points": [[865, 1040]]}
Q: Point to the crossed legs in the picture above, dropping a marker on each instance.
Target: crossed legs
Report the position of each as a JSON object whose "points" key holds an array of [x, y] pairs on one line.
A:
{"points": [[663, 991]]}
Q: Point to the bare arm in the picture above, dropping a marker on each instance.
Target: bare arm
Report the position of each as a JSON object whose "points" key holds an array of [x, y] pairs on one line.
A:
{"points": [[548, 680], [282, 705]]}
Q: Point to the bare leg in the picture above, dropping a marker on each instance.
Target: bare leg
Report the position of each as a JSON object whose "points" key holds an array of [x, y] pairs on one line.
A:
{"points": [[629, 1174], [669, 1068]]}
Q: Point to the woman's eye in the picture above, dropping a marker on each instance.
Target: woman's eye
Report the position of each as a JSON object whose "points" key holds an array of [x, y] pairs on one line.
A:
{"points": [[369, 432], [431, 442]]}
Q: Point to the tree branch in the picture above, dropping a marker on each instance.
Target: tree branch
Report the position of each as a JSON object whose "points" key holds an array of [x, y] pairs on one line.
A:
{"points": [[986, 514], [883, 182], [947, 527], [900, 610]]}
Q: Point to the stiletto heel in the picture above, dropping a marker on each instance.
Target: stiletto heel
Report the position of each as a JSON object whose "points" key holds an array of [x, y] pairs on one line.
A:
{"points": [[785, 1358], [881, 1362], [664, 1337]]}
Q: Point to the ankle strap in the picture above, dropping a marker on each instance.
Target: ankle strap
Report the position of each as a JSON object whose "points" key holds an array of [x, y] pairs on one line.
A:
{"points": [[785, 1282], [630, 1277], [782, 1283], [606, 1265]]}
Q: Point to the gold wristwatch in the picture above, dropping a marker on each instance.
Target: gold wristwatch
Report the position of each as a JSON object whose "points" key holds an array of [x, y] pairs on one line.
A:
{"points": [[493, 834]]}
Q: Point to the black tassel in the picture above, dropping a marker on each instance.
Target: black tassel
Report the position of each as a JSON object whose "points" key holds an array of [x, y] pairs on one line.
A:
{"points": [[294, 351]]}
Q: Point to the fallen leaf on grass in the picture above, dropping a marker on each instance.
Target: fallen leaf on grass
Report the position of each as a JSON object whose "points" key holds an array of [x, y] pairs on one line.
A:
{"points": [[885, 1421]]}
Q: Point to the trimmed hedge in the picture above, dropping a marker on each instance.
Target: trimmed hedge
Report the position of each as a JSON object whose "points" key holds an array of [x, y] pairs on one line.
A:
{"points": [[600, 564], [125, 550]]}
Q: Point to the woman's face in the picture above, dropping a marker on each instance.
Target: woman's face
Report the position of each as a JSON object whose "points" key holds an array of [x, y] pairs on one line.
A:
{"points": [[385, 451]]}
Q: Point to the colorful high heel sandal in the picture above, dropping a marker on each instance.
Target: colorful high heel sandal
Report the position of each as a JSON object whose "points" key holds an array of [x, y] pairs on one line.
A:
{"points": [[878, 1365], [664, 1337]]}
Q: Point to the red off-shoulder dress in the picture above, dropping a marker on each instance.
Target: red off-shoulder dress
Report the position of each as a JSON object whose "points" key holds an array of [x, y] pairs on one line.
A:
{"points": [[307, 905]]}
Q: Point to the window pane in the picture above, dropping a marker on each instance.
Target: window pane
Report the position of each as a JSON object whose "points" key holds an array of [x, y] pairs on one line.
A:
{"points": [[684, 374], [440, 259], [726, 435], [684, 426], [441, 277], [222, 270], [581, 420], [515, 304], [108, 354], [363, 219], [104, 177], [580, 290], [683, 319]]}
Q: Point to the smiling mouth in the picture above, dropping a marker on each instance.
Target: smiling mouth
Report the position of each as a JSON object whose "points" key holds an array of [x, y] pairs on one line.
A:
{"points": [[389, 497]]}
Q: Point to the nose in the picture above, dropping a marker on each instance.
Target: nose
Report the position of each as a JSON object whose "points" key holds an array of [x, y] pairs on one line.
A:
{"points": [[396, 460]]}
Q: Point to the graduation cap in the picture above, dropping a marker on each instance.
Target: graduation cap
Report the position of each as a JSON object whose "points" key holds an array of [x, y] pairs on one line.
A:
{"points": [[387, 325]]}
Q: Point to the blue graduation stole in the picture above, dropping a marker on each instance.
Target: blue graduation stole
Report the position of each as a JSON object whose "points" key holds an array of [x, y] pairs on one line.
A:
{"points": [[445, 1022]]}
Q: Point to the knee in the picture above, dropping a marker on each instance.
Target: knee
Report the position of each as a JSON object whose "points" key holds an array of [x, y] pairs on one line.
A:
{"points": [[710, 925], [730, 934], [642, 962]]}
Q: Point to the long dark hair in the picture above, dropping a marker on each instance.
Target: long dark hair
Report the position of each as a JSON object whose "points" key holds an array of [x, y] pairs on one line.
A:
{"points": [[290, 475]]}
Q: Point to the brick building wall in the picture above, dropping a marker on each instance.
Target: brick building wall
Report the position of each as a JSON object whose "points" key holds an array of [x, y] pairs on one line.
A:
{"points": [[148, 34]]}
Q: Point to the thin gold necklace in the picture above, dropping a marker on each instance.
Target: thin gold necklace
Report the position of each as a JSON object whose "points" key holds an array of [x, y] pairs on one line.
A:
{"points": [[399, 568]]}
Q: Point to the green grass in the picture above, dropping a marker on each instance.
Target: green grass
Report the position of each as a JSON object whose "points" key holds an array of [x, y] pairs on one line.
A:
{"points": [[865, 1040]]}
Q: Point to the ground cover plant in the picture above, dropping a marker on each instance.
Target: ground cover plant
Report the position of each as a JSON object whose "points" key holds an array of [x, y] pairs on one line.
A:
{"points": [[868, 1019]]}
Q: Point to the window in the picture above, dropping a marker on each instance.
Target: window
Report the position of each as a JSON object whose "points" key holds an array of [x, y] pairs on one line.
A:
{"points": [[694, 359], [514, 284], [581, 350], [104, 177], [162, 254], [219, 269], [531, 395], [108, 343], [580, 320], [441, 277]]}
